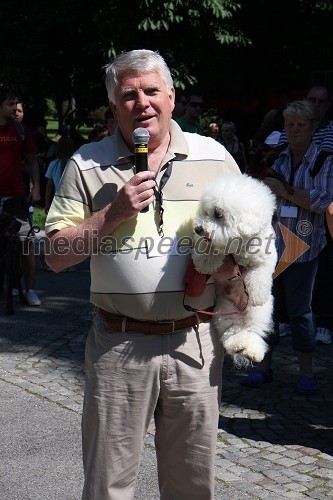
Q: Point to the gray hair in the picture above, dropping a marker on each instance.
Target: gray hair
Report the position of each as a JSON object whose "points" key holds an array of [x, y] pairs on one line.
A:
{"points": [[306, 109], [142, 61]]}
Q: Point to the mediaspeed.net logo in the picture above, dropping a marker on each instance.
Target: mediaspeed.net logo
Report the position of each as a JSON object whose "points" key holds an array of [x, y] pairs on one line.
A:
{"points": [[295, 247], [89, 244]]}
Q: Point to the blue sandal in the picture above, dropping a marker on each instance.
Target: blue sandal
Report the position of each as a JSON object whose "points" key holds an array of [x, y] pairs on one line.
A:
{"points": [[306, 386], [257, 377]]}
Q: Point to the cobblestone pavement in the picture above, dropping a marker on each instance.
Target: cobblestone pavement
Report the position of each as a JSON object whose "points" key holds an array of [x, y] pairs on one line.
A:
{"points": [[271, 443]]}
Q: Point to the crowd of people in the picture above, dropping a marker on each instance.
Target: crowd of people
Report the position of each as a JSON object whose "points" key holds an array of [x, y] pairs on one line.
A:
{"points": [[146, 355], [31, 168], [18, 192]]}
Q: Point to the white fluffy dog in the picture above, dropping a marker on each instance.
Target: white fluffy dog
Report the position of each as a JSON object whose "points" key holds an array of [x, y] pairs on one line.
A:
{"points": [[234, 218]]}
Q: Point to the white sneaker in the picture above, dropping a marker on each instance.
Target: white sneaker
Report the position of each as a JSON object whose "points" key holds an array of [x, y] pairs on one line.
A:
{"points": [[284, 329], [323, 336], [15, 292], [32, 298]]}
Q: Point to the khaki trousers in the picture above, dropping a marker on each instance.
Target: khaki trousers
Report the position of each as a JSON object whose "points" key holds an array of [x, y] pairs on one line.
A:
{"points": [[132, 378]]}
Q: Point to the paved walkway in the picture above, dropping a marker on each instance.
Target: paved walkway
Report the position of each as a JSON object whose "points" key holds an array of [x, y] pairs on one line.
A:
{"points": [[271, 442]]}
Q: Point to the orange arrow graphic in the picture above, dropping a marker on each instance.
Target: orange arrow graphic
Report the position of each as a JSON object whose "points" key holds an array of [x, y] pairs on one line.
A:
{"points": [[294, 248]]}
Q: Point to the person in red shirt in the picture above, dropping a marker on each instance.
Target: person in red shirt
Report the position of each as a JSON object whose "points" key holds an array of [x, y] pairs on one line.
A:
{"points": [[16, 146]]}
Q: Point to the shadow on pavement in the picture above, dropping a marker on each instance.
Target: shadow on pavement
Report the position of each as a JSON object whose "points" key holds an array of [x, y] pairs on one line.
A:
{"points": [[60, 324], [273, 412]]}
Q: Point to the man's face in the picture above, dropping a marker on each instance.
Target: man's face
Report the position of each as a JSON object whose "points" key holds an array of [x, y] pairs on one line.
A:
{"points": [[111, 125], [19, 112], [215, 127], [228, 132], [319, 98], [8, 109], [180, 107], [194, 107], [142, 100]]}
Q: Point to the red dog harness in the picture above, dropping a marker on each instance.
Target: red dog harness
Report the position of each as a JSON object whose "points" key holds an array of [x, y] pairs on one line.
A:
{"points": [[195, 284]]}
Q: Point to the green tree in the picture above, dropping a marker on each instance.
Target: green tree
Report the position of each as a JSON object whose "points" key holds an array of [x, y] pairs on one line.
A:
{"points": [[231, 49], [57, 49]]}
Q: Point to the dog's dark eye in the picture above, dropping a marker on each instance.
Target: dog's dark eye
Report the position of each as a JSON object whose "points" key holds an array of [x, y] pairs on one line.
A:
{"points": [[218, 213]]}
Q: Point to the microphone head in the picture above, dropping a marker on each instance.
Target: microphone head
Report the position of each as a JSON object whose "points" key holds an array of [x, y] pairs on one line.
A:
{"points": [[140, 136]]}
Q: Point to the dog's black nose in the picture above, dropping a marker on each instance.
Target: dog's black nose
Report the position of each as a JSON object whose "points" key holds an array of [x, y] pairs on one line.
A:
{"points": [[198, 230]]}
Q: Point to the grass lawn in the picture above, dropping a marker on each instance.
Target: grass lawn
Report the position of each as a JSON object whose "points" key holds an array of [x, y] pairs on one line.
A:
{"points": [[52, 128], [39, 217]]}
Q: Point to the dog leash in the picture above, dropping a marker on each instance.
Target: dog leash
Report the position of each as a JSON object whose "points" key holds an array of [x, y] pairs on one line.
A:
{"points": [[32, 231], [212, 313]]}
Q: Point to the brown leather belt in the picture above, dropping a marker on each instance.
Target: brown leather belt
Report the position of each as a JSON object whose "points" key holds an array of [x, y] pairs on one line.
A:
{"points": [[115, 324]]}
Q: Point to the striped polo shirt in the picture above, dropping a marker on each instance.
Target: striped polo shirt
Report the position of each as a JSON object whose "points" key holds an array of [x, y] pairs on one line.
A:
{"points": [[309, 224], [139, 269]]}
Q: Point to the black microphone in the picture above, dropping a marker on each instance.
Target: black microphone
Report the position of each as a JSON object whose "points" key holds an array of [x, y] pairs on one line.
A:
{"points": [[141, 138]]}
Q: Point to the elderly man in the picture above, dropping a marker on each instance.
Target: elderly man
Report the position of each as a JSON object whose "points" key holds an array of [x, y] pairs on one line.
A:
{"points": [[146, 355]]}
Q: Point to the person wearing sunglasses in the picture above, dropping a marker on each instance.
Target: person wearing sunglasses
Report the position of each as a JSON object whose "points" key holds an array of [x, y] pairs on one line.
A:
{"points": [[180, 105], [189, 122]]}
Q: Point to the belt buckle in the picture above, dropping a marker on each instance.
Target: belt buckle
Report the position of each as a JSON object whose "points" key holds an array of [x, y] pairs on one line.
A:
{"points": [[168, 323]]}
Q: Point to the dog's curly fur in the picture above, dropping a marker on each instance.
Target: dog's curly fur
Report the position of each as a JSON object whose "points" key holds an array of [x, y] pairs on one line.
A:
{"points": [[234, 217]]}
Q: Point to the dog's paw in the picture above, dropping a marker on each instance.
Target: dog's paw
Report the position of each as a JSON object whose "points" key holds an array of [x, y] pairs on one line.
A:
{"points": [[246, 344]]}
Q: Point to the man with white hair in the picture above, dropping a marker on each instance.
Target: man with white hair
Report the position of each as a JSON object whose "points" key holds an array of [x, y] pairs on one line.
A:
{"points": [[147, 356]]}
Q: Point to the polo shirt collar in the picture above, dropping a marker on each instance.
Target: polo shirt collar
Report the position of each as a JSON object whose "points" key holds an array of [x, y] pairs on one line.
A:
{"points": [[121, 149], [178, 144]]}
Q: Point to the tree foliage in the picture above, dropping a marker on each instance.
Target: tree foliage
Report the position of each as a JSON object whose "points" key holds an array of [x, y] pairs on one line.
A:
{"points": [[57, 49]]}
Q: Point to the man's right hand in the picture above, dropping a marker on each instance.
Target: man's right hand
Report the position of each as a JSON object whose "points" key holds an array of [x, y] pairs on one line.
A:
{"points": [[135, 195]]}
